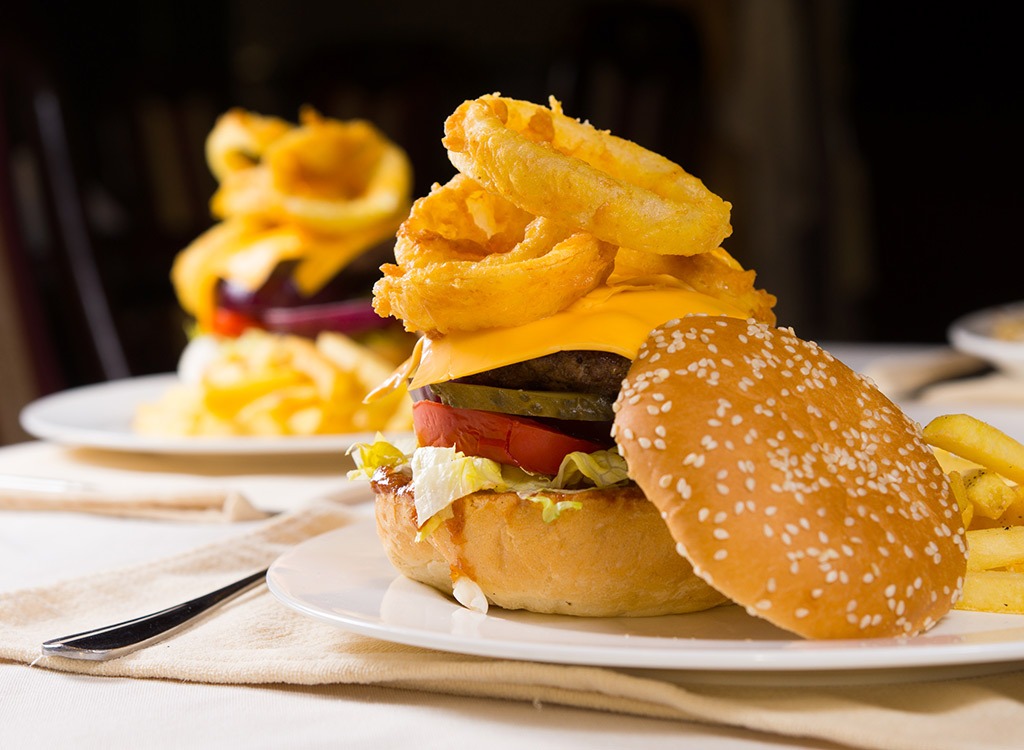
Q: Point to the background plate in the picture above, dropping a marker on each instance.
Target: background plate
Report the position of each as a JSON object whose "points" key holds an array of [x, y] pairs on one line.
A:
{"points": [[100, 416]]}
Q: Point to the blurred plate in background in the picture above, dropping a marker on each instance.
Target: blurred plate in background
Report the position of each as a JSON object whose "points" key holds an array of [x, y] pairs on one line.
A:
{"points": [[100, 416], [995, 334]]}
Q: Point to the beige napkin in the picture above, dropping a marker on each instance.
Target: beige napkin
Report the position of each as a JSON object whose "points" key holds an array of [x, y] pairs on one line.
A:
{"points": [[41, 476], [256, 639], [185, 505], [991, 389], [909, 376]]}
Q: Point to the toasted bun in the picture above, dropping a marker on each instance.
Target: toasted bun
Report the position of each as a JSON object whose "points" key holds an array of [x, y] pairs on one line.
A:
{"points": [[791, 483], [612, 557]]}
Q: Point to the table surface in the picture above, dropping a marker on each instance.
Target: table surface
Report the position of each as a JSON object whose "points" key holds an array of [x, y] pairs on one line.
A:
{"points": [[41, 708]]}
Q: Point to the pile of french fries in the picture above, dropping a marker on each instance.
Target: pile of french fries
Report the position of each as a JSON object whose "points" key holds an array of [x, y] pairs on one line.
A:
{"points": [[271, 385], [986, 471]]}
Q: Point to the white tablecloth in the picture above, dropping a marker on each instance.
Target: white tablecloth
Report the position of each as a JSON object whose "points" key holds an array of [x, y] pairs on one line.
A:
{"points": [[41, 708]]}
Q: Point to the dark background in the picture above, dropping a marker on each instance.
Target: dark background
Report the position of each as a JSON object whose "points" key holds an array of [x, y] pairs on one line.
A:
{"points": [[871, 150]]}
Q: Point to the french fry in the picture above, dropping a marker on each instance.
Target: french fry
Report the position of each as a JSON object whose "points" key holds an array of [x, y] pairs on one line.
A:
{"points": [[951, 462], [370, 368], [272, 385], [993, 591], [988, 493], [1012, 516], [985, 468], [227, 391], [995, 548], [332, 383], [956, 483], [278, 406], [977, 441]]}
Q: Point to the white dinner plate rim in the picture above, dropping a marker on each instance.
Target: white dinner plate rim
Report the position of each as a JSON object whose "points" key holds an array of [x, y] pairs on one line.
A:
{"points": [[71, 417], [352, 568], [972, 334]]}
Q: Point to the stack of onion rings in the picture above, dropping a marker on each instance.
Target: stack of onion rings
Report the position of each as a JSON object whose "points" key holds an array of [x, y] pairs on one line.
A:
{"points": [[543, 199], [457, 274], [554, 166], [326, 175], [319, 194]]}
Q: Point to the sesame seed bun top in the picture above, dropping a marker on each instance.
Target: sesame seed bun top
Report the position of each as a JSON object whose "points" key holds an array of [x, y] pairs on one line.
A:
{"points": [[790, 483]]}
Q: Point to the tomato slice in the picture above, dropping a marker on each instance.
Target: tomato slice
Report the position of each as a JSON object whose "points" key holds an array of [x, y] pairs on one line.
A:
{"points": [[516, 441], [231, 322]]}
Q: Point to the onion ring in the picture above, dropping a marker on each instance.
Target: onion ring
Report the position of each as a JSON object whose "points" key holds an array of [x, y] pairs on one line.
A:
{"points": [[469, 260], [715, 273], [326, 175], [239, 139], [554, 166]]}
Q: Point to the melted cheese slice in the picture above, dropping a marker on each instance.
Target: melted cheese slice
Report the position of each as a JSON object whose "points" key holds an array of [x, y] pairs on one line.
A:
{"points": [[614, 319]]}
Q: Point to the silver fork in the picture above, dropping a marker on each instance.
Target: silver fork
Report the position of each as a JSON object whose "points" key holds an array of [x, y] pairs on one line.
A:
{"points": [[114, 641]]}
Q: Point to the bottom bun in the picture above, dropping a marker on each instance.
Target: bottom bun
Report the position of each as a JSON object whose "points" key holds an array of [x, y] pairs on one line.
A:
{"points": [[611, 557]]}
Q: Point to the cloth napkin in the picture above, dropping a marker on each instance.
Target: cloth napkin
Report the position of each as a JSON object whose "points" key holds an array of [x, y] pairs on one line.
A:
{"points": [[184, 505], [40, 476], [255, 639], [918, 375]]}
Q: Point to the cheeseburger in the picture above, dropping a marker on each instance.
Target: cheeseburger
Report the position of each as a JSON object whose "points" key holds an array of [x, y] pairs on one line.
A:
{"points": [[307, 213], [654, 444]]}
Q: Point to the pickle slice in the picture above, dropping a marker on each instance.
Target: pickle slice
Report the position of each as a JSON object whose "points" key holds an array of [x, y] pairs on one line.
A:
{"points": [[587, 407]]}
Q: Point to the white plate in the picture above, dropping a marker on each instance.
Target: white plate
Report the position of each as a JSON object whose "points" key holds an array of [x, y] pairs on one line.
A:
{"points": [[100, 416], [975, 334], [344, 578]]}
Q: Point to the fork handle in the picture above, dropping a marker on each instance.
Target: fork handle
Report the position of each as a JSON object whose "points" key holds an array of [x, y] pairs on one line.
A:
{"points": [[113, 641]]}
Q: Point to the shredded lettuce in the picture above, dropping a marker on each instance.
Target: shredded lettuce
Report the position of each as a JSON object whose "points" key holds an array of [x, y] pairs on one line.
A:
{"points": [[550, 510], [600, 469], [369, 457], [443, 475]]}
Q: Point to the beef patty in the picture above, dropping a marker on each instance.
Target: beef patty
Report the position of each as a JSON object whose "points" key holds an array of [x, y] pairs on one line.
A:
{"points": [[575, 371]]}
